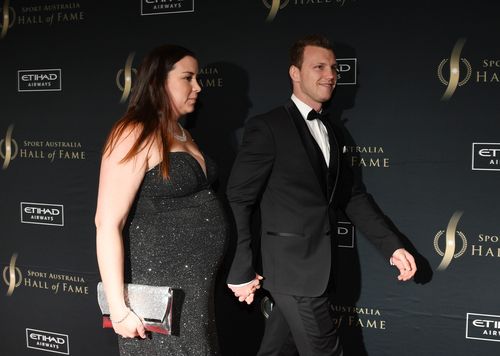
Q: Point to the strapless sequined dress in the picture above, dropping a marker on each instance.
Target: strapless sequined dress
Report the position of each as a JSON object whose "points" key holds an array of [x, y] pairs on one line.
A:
{"points": [[175, 237]]}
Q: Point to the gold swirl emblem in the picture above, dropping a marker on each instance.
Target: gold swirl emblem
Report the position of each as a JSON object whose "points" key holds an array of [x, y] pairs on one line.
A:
{"points": [[450, 237], [11, 148], [8, 18], [12, 275], [127, 85], [274, 7], [454, 68]]}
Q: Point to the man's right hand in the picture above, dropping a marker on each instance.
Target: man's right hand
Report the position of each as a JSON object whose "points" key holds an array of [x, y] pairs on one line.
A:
{"points": [[246, 292]]}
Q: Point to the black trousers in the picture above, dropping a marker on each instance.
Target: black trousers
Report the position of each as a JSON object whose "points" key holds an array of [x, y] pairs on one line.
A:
{"points": [[300, 326]]}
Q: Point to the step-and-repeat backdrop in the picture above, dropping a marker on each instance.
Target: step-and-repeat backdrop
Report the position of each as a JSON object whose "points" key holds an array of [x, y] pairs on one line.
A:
{"points": [[418, 95]]}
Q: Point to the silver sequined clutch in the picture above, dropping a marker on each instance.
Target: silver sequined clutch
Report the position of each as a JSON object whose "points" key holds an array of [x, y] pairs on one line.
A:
{"points": [[152, 303]]}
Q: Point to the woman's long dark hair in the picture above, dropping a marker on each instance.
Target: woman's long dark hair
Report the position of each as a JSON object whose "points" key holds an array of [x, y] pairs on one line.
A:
{"points": [[150, 108]]}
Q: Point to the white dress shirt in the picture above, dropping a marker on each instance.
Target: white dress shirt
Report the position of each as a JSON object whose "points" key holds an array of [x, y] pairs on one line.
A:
{"points": [[316, 127]]}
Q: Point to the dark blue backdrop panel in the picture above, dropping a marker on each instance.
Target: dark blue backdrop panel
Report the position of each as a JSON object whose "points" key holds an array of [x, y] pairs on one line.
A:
{"points": [[418, 95]]}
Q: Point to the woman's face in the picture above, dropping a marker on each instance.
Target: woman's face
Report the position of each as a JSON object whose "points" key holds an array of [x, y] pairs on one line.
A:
{"points": [[182, 85]]}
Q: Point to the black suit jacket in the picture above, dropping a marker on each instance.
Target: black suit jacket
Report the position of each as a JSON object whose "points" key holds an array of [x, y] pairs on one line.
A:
{"points": [[280, 166]]}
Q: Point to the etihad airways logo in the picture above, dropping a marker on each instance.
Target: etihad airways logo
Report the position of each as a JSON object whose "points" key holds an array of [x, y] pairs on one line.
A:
{"points": [[485, 156], [8, 18], [39, 80], [348, 69], [42, 214], [483, 327], [162, 7], [125, 85], [47, 341], [345, 234]]}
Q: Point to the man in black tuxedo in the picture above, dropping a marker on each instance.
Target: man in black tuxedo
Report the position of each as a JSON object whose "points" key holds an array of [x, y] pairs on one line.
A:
{"points": [[291, 162]]}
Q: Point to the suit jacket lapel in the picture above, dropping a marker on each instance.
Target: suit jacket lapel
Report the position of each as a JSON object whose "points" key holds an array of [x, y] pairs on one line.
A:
{"points": [[311, 147]]}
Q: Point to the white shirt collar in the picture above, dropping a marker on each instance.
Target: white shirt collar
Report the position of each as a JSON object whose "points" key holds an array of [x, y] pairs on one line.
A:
{"points": [[304, 109]]}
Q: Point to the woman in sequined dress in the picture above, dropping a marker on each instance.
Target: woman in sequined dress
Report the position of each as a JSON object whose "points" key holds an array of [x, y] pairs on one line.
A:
{"points": [[157, 220]]}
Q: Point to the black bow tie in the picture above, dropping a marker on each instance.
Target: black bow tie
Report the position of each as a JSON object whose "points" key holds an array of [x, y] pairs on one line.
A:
{"points": [[313, 115]]}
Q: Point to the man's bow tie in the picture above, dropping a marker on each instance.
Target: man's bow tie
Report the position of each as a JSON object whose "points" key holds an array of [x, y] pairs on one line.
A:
{"points": [[313, 115]]}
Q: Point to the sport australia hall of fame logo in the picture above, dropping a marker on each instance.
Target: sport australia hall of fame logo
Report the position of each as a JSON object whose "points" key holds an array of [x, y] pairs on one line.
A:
{"points": [[451, 236]]}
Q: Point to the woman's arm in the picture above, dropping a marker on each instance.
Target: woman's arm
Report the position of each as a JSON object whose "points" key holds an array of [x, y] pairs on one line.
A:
{"points": [[118, 185]]}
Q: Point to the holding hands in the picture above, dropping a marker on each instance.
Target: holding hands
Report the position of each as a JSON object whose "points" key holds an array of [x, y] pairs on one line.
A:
{"points": [[246, 292]]}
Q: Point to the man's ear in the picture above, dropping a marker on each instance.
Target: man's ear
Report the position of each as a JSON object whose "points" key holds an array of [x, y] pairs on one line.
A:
{"points": [[294, 73]]}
